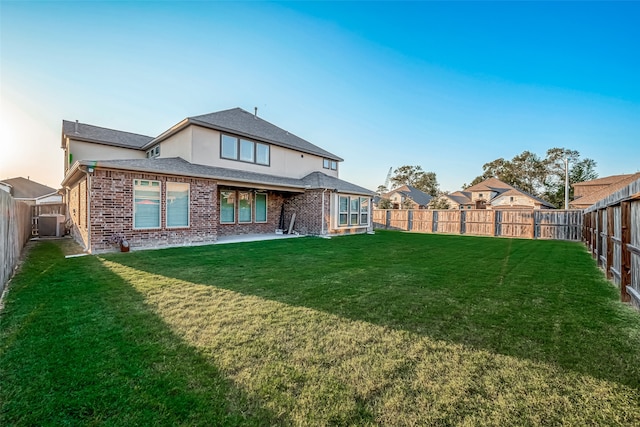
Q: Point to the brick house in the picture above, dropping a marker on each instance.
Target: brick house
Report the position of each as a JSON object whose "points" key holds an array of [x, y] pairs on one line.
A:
{"points": [[219, 174], [494, 194]]}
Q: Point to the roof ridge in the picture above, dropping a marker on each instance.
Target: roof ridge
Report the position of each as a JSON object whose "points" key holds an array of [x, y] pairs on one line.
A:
{"points": [[105, 128]]}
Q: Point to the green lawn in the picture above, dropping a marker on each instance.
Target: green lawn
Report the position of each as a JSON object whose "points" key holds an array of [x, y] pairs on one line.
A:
{"points": [[385, 329]]}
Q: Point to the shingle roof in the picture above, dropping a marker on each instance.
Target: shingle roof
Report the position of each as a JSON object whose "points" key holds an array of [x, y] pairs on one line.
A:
{"points": [[23, 188], [243, 123], [460, 197], [103, 135], [418, 196], [179, 166], [588, 200], [320, 180], [493, 184], [607, 180]]}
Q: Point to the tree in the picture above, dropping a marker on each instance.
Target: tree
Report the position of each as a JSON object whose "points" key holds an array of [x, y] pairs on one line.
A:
{"points": [[385, 204], [439, 202], [415, 177], [381, 190], [540, 177], [579, 171]]}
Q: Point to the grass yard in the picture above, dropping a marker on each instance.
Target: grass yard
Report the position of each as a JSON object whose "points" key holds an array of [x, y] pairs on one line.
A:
{"points": [[388, 329]]}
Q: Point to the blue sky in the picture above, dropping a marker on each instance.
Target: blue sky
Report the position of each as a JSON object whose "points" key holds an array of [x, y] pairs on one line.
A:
{"points": [[447, 86]]}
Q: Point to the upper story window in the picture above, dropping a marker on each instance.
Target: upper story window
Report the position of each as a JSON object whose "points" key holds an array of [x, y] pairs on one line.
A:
{"points": [[153, 152], [244, 150], [329, 164]]}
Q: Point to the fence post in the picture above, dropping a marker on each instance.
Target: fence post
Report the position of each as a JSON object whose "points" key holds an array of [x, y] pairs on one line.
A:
{"points": [[434, 223], [533, 224], [463, 217], [625, 270], [610, 222], [409, 219], [387, 219]]}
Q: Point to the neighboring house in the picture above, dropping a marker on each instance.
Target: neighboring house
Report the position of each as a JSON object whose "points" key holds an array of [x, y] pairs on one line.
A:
{"points": [[218, 174], [589, 192], [495, 194], [30, 192], [407, 197]]}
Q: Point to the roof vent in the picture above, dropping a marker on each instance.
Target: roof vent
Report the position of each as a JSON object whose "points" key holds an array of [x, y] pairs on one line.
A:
{"points": [[255, 112], [76, 127]]}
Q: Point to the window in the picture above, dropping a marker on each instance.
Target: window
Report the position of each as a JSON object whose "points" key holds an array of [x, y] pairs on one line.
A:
{"points": [[244, 206], [227, 207], [177, 204], [146, 204], [229, 148], [343, 210], [364, 211], [329, 164], [244, 150], [261, 207], [250, 207], [262, 154], [153, 152], [353, 211]]}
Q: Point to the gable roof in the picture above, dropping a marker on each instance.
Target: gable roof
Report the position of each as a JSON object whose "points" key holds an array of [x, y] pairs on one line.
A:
{"points": [[590, 199], [179, 166], [460, 197], [100, 135], [491, 184], [23, 188], [243, 123], [418, 196]]}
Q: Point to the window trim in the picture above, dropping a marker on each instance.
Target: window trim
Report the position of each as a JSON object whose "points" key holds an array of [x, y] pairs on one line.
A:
{"points": [[250, 198], [329, 164], [233, 221], [135, 183], [168, 183], [350, 212], [238, 142], [266, 207]]}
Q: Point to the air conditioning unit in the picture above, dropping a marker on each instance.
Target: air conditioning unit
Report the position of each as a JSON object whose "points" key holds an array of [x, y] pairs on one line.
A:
{"points": [[51, 225]]}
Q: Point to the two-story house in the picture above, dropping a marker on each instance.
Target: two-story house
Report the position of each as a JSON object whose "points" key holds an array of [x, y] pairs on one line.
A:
{"points": [[407, 197], [494, 194], [218, 174]]}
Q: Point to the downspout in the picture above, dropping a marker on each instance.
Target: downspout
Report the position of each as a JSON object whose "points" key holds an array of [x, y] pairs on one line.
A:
{"points": [[88, 171], [322, 232]]}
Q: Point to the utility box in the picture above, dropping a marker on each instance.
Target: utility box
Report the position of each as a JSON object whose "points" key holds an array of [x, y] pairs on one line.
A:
{"points": [[51, 225]]}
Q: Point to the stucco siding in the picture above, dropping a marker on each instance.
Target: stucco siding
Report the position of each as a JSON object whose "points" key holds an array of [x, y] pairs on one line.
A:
{"points": [[179, 145], [80, 150]]}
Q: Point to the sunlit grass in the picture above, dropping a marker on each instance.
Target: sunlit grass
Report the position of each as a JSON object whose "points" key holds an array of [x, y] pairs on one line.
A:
{"points": [[391, 329]]}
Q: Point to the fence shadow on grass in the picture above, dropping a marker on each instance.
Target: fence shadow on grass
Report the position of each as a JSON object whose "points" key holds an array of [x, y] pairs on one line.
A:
{"points": [[81, 347], [537, 300]]}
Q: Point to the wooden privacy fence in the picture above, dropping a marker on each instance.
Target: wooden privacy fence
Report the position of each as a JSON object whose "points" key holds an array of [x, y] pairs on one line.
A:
{"points": [[524, 223], [15, 230], [612, 234]]}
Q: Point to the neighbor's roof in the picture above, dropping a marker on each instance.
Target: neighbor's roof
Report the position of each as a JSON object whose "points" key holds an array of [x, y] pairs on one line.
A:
{"points": [[102, 135], [491, 184], [418, 196], [243, 123], [179, 166], [23, 188], [460, 197], [588, 200], [607, 180]]}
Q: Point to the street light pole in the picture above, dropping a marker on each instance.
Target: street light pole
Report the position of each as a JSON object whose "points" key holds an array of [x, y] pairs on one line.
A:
{"points": [[566, 183]]}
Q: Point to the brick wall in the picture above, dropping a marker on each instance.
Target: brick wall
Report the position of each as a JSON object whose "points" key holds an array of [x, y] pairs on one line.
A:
{"points": [[274, 207], [308, 209], [112, 212]]}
